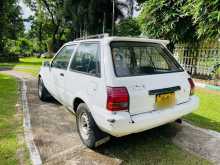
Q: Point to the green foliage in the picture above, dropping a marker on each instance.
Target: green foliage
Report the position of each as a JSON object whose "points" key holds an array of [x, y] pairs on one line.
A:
{"points": [[62, 21], [165, 19], [206, 17], [21, 46], [180, 21], [128, 27], [88, 16], [11, 23]]}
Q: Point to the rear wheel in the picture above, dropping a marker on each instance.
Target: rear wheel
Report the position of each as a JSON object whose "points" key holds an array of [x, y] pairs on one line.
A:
{"points": [[88, 131], [43, 93]]}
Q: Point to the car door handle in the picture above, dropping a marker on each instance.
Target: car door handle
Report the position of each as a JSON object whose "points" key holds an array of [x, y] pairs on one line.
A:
{"points": [[61, 74]]}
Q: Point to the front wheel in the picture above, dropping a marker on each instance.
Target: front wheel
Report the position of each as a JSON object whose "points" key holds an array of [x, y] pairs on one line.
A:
{"points": [[43, 93], [88, 131]]}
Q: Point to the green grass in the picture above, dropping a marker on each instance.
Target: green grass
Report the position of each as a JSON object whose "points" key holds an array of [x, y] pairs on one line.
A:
{"points": [[150, 147], [208, 114], [10, 123], [29, 65]]}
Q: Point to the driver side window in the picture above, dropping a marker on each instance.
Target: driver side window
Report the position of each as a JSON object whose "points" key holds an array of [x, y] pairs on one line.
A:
{"points": [[62, 59]]}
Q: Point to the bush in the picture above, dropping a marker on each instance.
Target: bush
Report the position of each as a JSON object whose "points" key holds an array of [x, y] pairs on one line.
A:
{"points": [[20, 47]]}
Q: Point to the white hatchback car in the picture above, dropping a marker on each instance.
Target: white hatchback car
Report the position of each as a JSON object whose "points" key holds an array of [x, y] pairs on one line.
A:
{"points": [[117, 86]]}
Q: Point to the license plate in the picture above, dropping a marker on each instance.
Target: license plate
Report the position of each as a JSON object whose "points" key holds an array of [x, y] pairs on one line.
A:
{"points": [[165, 100]]}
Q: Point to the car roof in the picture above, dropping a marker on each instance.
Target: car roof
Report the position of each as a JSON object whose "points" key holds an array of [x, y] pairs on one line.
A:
{"points": [[116, 38]]}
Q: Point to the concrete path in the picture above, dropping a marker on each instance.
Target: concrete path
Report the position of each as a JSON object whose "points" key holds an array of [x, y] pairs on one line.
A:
{"points": [[54, 132], [202, 142]]}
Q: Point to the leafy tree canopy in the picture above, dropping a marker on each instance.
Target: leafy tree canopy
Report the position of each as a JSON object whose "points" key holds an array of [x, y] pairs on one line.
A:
{"points": [[11, 23], [166, 19], [128, 27], [185, 20], [206, 17]]}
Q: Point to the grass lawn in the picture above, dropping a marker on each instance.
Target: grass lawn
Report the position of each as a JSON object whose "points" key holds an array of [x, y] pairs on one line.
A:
{"points": [[27, 64], [10, 123], [208, 114]]}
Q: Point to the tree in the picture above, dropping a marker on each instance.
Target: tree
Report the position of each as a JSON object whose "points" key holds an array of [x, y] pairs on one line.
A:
{"points": [[128, 27], [200, 18], [89, 16], [48, 21], [165, 19], [59, 21], [206, 17], [11, 23], [130, 7]]}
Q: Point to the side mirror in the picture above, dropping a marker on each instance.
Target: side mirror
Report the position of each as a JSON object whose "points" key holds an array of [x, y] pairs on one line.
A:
{"points": [[46, 63]]}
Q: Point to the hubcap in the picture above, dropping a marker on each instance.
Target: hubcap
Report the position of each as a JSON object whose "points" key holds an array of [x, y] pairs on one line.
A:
{"points": [[84, 125]]}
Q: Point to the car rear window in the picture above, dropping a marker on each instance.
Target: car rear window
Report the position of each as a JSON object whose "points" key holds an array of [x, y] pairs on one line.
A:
{"points": [[142, 58]]}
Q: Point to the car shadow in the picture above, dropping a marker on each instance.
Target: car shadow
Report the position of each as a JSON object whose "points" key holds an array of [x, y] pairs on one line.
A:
{"points": [[53, 101]]}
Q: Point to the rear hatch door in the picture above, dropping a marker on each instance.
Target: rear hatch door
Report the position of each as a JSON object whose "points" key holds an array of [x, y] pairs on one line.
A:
{"points": [[143, 90]]}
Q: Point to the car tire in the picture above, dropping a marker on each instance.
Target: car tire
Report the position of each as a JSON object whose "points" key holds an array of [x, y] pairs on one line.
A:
{"points": [[89, 133], [43, 93]]}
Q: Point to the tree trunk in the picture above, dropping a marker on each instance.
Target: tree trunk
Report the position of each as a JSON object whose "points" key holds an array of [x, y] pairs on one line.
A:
{"points": [[40, 36], [54, 41]]}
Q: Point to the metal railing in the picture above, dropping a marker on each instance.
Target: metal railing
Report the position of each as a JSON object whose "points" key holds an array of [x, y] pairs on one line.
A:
{"points": [[199, 61]]}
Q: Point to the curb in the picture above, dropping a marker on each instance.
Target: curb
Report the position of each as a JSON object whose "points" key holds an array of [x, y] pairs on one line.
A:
{"points": [[204, 130], [207, 86], [34, 153]]}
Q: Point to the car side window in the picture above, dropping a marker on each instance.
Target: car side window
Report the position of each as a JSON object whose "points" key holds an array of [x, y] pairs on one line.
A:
{"points": [[62, 59], [86, 59]]}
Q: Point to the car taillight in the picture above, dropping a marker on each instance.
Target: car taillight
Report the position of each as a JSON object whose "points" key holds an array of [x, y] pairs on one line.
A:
{"points": [[192, 86], [117, 98]]}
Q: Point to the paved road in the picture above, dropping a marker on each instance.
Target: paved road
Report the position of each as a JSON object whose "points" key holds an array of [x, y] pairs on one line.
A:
{"points": [[55, 135]]}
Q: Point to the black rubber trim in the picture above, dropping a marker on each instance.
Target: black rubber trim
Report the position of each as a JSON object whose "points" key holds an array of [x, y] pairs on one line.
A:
{"points": [[164, 90]]}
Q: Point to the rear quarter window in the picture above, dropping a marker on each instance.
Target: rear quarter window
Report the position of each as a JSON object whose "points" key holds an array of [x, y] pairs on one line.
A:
{"points": [[86, 59]]}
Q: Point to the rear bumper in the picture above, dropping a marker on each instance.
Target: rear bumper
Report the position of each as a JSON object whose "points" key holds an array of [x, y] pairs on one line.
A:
{"points": [[121, 123]]}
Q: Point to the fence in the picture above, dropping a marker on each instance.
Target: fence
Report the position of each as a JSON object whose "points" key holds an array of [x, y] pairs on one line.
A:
{"points": [[198, 58]]}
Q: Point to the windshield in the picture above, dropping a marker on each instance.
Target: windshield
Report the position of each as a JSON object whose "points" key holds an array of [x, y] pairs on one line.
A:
{"points": [[140, 58]]}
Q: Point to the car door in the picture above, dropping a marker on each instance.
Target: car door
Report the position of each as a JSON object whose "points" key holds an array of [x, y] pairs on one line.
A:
{"points": [[84, 77], [58, 70]]}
